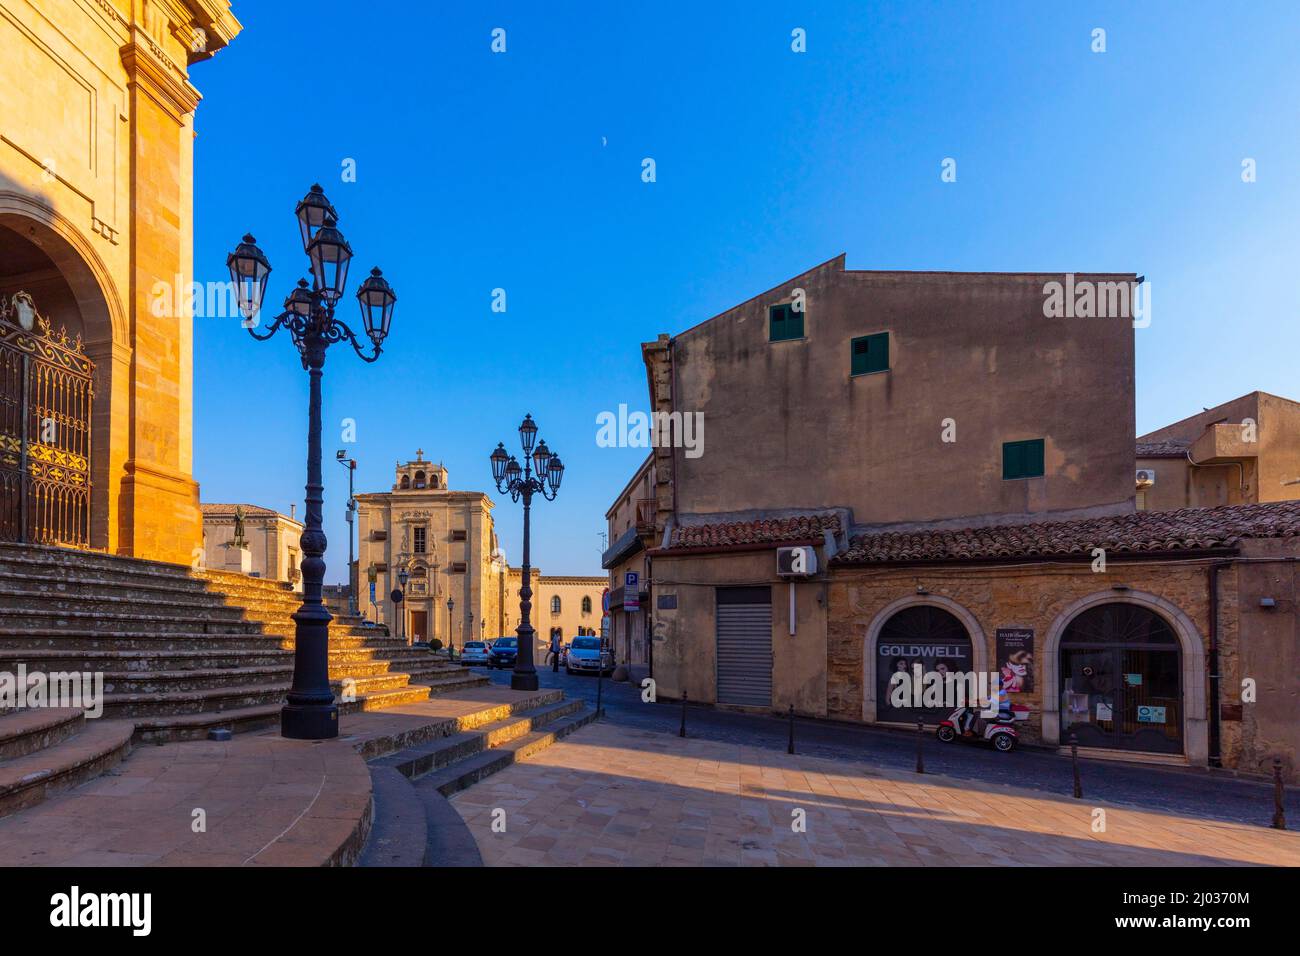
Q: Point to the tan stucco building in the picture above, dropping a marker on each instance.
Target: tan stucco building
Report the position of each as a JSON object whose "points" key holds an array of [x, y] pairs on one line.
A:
{"points": [[270, 547], [97, 132], [1243, 451], [955, 473], [446, 541]]}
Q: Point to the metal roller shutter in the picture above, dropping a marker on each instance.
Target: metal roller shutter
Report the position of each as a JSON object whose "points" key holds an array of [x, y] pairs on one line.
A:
{"points": [[745, 646]]}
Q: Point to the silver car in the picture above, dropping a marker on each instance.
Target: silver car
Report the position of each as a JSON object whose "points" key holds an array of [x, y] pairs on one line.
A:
{"points": [[475, 652]]}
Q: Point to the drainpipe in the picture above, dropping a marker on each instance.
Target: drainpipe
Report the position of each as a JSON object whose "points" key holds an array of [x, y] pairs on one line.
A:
{"points": [[1215, 755]]}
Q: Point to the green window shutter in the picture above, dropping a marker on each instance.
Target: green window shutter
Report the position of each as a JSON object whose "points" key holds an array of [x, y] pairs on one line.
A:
{"points": [[1022, 459], [869, 353], [784, 323]]}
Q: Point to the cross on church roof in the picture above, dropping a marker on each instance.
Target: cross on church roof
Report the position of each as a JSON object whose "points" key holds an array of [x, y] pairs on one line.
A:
{"points": [[419, 454]]}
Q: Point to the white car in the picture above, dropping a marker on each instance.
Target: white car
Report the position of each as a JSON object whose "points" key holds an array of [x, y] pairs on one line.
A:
{"points": [[475, 652]]}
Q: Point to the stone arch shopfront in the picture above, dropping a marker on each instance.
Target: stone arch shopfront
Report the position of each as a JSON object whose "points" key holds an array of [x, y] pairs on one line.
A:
{"points": [[1169, 637], [1118, 654]]}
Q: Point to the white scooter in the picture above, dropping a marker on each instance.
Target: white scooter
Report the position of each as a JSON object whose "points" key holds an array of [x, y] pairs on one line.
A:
{"points": [[1000, 731]]}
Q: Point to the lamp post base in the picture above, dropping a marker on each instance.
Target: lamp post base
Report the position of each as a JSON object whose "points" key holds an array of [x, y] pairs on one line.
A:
{"points": [[526, 680], [309, 721]]}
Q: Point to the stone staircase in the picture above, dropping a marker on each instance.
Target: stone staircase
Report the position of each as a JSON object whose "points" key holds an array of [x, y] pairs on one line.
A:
{"points": [[181, 653], [411, 777]]}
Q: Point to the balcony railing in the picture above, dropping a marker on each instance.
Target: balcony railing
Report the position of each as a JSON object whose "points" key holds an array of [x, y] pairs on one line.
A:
{"points": [[646, 511]]}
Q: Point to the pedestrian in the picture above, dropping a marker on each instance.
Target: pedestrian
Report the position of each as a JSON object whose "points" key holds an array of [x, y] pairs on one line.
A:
{"points": [[555, 653]]}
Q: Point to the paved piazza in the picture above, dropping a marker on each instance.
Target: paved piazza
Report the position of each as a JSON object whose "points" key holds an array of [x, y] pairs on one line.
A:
{"points": [[612, 795]]}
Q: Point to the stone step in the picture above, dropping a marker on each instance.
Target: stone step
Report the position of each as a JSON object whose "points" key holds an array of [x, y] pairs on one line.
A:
{"points": [[157, 683], [424, 758], [340, 669], [71, 659], [463, 773], [21, 602], [90, 585], [399, 835], [193, 701], [28, 780], [164, 728], [40, 619], [57, 560], [392, 697], [77, 641], [26, 731]]}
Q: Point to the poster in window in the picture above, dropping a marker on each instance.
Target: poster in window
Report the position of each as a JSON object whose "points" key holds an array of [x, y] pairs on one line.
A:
{"points": [[1016, 659]]}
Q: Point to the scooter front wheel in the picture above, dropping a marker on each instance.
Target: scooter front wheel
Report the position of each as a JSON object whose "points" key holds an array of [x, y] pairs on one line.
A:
{"points": [[947, 734], [1004, 742]]}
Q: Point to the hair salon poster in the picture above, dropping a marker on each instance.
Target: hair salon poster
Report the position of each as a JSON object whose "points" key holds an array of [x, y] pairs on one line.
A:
{"points": [[1016, 659]]}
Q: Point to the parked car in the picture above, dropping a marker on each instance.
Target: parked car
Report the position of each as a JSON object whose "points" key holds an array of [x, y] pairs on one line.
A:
{"points": [[586, 655], [503, 653], [476, 652]]}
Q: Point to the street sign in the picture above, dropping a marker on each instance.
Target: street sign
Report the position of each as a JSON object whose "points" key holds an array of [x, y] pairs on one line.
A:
{"points": [[631, 592], [372, 592], [631, 579], [604, 600], [395, 596]]}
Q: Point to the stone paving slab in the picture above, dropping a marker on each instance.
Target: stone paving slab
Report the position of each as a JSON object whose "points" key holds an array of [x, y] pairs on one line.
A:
{"points": [[614, 796], [267, 801]]}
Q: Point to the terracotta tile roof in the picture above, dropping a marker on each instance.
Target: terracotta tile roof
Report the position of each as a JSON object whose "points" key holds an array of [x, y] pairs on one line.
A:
{"points": [[761, 531], [1167, 448], [1188, 529]]}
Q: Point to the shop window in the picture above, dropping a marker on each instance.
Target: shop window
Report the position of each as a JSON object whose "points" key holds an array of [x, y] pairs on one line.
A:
{"points": [[784, 323], [869, 353], [1121, 680], [1022, 459]]}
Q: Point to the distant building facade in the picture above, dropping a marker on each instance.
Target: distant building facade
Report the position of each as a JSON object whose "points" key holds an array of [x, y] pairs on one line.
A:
{"points": [[445, 540], [1241, 452], [268, 544]]}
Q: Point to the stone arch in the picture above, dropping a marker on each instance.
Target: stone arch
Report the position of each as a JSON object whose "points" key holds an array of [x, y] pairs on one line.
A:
{"points": [[979, 646], [1195, 730], [106, 334]]}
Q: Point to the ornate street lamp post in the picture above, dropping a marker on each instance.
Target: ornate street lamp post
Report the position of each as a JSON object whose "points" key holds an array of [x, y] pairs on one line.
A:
{"points": [[451, 629], [310, 713], [350, 516], [399, 611], [522, 482]]}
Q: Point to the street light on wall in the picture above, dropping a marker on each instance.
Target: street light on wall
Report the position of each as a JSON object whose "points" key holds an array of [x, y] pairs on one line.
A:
{"points": [[310, 712]]}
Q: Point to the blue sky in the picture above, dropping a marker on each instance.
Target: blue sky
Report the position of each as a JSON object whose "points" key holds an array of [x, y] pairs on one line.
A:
{"points": [[522, 171]]}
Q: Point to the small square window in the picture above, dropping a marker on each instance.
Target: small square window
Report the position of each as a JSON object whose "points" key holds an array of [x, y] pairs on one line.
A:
{"points": [[1022, 459], [869, 353], [784, 323]]}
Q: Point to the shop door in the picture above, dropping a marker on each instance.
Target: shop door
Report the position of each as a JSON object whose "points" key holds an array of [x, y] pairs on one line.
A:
{"points": [[1121, 681], [744, 646]]}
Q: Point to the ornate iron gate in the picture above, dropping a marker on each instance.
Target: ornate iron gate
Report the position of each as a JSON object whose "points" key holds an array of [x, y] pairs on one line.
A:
{"points": [[46, 395]]}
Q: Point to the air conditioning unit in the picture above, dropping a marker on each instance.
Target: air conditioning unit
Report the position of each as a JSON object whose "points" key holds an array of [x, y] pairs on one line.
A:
{"points": [[1145, 477], [798, 562]]}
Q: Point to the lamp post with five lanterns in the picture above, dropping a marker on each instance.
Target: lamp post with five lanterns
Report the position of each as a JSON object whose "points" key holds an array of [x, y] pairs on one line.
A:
{"points": [[540, 473], [309, 317]]}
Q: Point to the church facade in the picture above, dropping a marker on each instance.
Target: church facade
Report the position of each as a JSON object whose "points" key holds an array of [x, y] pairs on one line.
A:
{"points": [[97, 128]]}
